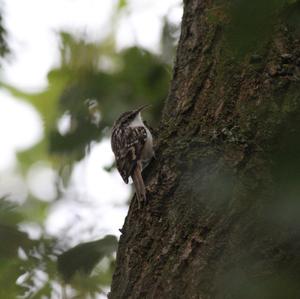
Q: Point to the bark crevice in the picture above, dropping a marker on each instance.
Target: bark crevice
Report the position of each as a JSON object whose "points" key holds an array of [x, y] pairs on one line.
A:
{"points": [[221, 219]]}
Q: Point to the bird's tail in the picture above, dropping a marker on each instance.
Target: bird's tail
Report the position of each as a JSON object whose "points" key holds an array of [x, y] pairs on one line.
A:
{"points": [[139, 183]]}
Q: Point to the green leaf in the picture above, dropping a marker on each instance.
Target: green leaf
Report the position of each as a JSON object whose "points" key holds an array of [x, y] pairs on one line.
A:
{"points": [[85, 256], [122, 4]]}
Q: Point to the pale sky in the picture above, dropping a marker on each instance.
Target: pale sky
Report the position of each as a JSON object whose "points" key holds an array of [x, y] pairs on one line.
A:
{"points": [[32, 29]]}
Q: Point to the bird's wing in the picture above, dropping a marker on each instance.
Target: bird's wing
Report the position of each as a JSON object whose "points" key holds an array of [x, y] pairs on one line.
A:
{"points": [[127, 145]]}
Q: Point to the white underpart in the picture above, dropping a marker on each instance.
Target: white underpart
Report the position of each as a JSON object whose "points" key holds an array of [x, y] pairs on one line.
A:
{"points": [[148, 152]]}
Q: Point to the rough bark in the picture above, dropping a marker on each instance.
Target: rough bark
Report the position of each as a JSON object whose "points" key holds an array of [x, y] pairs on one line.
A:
{"points": [[222, 218]]}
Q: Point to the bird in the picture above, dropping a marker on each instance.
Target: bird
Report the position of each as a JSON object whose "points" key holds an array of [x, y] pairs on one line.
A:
{"points": [[132, 145]]}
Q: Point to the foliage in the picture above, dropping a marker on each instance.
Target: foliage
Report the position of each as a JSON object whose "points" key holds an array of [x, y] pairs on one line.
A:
{"points": [[4, 50], [84, 257], [92, 86], [33, 263], [11, 240]]}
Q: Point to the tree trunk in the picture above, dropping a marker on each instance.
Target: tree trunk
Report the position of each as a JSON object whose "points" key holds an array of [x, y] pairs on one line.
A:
{"points": [[223, 213]]}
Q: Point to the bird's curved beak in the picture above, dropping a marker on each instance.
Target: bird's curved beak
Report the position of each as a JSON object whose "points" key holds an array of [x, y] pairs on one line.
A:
{"points": [[142, 108]]}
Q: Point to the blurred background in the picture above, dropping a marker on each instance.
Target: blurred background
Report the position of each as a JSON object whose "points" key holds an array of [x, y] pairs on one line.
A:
{"points": [[68, 69]]}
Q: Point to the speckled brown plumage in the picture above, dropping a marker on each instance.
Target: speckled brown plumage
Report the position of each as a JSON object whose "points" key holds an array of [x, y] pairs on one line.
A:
{"points": [[127, 145]]}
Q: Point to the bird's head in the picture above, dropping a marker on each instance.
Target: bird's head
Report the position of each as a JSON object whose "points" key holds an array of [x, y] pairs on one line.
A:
{"points": [[128, 116]]}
